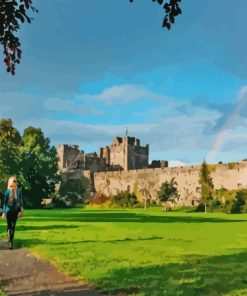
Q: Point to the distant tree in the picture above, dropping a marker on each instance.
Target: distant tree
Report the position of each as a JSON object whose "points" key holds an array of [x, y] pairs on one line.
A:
{"points": [[10, 140], [206, 184], [14, 12], [168, 191], [39, 167]]}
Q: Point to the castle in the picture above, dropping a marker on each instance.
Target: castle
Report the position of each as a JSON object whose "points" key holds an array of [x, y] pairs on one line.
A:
{"points": [[123, 166], [125, 153]]}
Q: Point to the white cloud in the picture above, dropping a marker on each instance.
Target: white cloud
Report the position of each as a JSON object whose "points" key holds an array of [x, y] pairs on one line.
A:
{"points": [[176, 163], [121, 94], [69, 106]]}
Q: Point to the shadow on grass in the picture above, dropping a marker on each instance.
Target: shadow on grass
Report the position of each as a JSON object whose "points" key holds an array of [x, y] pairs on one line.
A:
{"points": [[106, 216], [44, 227], [18, 243], [196, 276], [31, 242]]}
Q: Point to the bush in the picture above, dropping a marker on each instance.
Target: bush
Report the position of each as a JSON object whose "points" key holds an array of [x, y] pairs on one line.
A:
{"points": [[240, 203], [168, 191], [70, 200], [27, 203], [200, 207], [227, 206], [124, 199], [49, 206], [99, 199], [214, 204], [72, 193]]}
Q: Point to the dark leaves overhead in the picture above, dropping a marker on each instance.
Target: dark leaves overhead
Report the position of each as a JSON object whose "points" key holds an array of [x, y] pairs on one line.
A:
{"points": [[171, 9], [12, 14]]}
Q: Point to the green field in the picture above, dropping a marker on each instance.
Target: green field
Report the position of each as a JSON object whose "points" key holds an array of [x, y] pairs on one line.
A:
{"points": [[152, 253]]}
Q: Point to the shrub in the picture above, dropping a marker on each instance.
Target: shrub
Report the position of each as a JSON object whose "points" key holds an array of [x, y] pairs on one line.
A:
{"points": [[49, 206], [231, 165], [124, 199], [214, 204], [226, 199], [168, 191], [71, 193], [70, 200], [59, 201], [240, 203], [99, 199], [200, 207], [227, 206]]}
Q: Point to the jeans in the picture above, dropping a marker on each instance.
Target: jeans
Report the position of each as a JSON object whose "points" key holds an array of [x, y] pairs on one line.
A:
{"points": [[11, 221]]}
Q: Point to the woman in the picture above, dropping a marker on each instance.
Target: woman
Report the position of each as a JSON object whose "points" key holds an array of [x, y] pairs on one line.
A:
{"points": [[12, 208]]}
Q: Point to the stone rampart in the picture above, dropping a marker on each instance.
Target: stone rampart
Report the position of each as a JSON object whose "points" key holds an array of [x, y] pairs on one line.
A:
{"points": [[229, 176]]}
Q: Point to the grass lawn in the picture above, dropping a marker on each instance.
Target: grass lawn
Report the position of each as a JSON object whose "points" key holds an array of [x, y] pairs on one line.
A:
{"points": [[152, 253]]}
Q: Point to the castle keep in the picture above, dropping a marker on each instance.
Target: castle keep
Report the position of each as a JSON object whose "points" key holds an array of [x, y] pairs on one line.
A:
{"points": [[124, 153]]}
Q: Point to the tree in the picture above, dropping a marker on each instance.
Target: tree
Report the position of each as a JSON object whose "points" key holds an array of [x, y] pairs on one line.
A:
{"points": [[206, 183], [39, 167], [240, 203], [72, 192], [10, 140], [168, 191], [14, 12], [171, 9]]}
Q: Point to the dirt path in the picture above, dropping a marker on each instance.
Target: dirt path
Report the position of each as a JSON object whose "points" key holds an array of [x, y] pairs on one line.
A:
{"points": [[23, 274]]}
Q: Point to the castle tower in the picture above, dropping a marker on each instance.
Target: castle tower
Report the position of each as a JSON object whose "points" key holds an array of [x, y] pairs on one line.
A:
{"points": [[66, 154]]}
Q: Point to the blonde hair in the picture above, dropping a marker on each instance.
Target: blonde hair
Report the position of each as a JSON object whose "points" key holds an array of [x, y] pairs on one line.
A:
{"points": [[10, 182]]}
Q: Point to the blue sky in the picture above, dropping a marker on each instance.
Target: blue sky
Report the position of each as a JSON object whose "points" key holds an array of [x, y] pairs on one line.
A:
{"points": [[92, 68]]}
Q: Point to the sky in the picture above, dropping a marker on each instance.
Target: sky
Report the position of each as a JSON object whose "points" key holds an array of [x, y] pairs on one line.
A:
{"points": [[92, 68]]}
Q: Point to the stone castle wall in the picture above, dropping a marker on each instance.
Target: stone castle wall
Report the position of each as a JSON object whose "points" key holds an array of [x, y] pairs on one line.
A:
{"points": [[224, 175]]}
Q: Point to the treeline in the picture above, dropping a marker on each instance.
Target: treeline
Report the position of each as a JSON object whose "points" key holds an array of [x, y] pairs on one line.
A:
{"points": [[31, 158]]}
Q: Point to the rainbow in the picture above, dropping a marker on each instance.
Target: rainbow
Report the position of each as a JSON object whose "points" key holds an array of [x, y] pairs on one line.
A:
{"points": [[222, 135]]}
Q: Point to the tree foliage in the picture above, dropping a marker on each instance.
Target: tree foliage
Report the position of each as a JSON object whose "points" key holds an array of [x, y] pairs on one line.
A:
{"points": [[72, 192], [168, 191], [13, 13], [206, 184], [171, 9], [31, 158], [10, 141], [240, 203], [124, 199], [39, 166]]}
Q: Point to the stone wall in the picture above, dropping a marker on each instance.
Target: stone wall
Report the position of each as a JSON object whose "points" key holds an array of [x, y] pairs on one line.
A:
{"points": [[224, 175]]}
